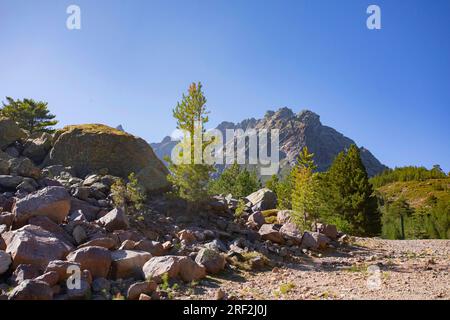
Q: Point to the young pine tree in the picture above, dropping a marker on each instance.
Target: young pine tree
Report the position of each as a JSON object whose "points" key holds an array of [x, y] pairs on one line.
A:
{"points": [[304, 194], [30, 115], [394, 219], [190, 177]]}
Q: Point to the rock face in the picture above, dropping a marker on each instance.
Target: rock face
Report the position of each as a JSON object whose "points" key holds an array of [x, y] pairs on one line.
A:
{"points": [[296, 131], [90, 148], [35, 246], [9, 132], [52, 202]]}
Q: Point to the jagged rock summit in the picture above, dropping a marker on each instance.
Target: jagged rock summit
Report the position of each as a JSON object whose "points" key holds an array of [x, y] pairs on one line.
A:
{"points": [[296, 131]]}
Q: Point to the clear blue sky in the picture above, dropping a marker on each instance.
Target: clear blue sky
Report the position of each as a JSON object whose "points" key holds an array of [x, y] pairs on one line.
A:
{"points": [[389, 90]]}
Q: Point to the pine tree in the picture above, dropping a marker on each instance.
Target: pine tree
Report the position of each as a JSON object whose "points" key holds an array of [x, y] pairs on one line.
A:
{"points": [[351, 195], [29, 114], [238, 181], [272, 183], [190, 178], [304, 193]]}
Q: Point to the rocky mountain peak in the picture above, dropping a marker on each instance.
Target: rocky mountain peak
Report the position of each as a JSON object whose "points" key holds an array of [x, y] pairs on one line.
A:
{"points": [[296, 131], [282, 113], [308, 117]]}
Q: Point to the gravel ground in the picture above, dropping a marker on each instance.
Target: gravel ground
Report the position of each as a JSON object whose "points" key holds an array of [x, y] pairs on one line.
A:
{"points": [[366, 269]]}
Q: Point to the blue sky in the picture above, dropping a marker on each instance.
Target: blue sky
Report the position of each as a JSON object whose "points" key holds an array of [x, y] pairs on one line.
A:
{"points": [[388, 89]]}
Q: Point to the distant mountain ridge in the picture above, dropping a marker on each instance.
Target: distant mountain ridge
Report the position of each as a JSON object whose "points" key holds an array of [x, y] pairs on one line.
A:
{"points": [[296, 131]]}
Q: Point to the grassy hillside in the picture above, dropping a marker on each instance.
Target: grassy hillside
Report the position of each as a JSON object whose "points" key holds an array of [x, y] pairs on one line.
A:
{"points": [[417, 193]]}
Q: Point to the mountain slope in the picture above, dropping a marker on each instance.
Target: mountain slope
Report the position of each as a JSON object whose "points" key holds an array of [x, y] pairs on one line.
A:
{"points": [[296, 131], [417, 193]]}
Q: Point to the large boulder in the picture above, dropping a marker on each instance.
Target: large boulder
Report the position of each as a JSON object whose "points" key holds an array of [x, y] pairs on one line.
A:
{"points": [[138, 288], [64, 269], [53, 202], [80, 207], [314, 240], [329, 230], [128, 263], [263, 199], [270, 232], [153, 247], [95, 259], [191, 270], [37, 146], [92, 147], [116, 219], [175, 267], [24, 272], [212, 260], [32, 290], [291, 232], [57, 230], [35, 246], [24, 167], [156, 267], [10, 132]]}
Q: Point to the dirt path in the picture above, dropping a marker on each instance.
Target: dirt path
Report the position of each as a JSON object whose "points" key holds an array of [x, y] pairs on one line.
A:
{"points": [[368, 269]]}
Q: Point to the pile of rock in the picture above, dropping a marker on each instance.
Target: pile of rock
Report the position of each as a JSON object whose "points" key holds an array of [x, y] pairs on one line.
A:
{"points": [[60, 237]]}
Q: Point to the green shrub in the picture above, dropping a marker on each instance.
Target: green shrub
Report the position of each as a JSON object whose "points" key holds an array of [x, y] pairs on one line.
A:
{"points": [[129, 195]]}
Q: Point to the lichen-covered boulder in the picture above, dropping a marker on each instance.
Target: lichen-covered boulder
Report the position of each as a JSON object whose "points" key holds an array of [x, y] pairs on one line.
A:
{"points": [[92, 147], [213, 261]]}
